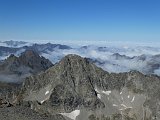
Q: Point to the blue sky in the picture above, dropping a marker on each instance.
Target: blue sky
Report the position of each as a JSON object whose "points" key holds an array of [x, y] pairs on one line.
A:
{"points": [[110, 20]]}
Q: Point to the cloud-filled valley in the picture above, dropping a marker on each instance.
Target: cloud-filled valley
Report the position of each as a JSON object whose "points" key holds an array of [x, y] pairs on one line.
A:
{"points": [[145, 59]]}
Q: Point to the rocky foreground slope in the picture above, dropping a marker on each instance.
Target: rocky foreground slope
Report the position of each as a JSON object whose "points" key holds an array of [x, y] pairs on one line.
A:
{"points": [[78, 90]]}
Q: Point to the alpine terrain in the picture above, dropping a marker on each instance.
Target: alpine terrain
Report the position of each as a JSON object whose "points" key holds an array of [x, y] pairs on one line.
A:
{"points": [[76, 89]]}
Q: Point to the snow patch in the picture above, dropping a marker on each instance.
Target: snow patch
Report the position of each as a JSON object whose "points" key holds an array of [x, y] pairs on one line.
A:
{"points": [[106, 92], [42, 101], [115, 105], [125, 107], [72, 115], [133, 99], [46, 92], [98, 93], [97, 90], [99, 96]]}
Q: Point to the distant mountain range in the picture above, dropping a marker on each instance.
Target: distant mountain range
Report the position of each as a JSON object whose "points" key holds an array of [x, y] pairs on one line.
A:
{"points": [[12, 43], [113, 59], [39, 48]]}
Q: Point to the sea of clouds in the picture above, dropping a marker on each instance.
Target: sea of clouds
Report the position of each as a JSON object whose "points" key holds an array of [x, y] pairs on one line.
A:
{"points": [[115, 59], [111, 57]]}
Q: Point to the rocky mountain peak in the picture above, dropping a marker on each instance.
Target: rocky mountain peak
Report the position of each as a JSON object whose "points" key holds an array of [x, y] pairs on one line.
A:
{"points": [[17, 68], [76, 84], [12, 56], [73, 60], [34, 60], [66, 86], [29, 54]]}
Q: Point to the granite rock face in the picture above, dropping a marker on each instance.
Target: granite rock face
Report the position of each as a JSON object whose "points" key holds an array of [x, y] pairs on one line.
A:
{"points": [[79, 90]]}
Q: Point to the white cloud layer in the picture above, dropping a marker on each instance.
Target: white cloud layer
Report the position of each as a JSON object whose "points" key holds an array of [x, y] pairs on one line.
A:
{"points": [[111, 57], [136, 58]]}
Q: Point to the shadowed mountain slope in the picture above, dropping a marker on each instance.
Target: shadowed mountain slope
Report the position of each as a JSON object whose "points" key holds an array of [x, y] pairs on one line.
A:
{"points": [[15, 69]]}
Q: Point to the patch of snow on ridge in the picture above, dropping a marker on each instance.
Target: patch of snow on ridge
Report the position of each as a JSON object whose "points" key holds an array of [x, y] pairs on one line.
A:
{"points": [[133, 99], [98, 93], [106, 92], [115, 105], [99, 96], [46, 92], [72, 115], [42, 101], [125, 107], [97, 90]]}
